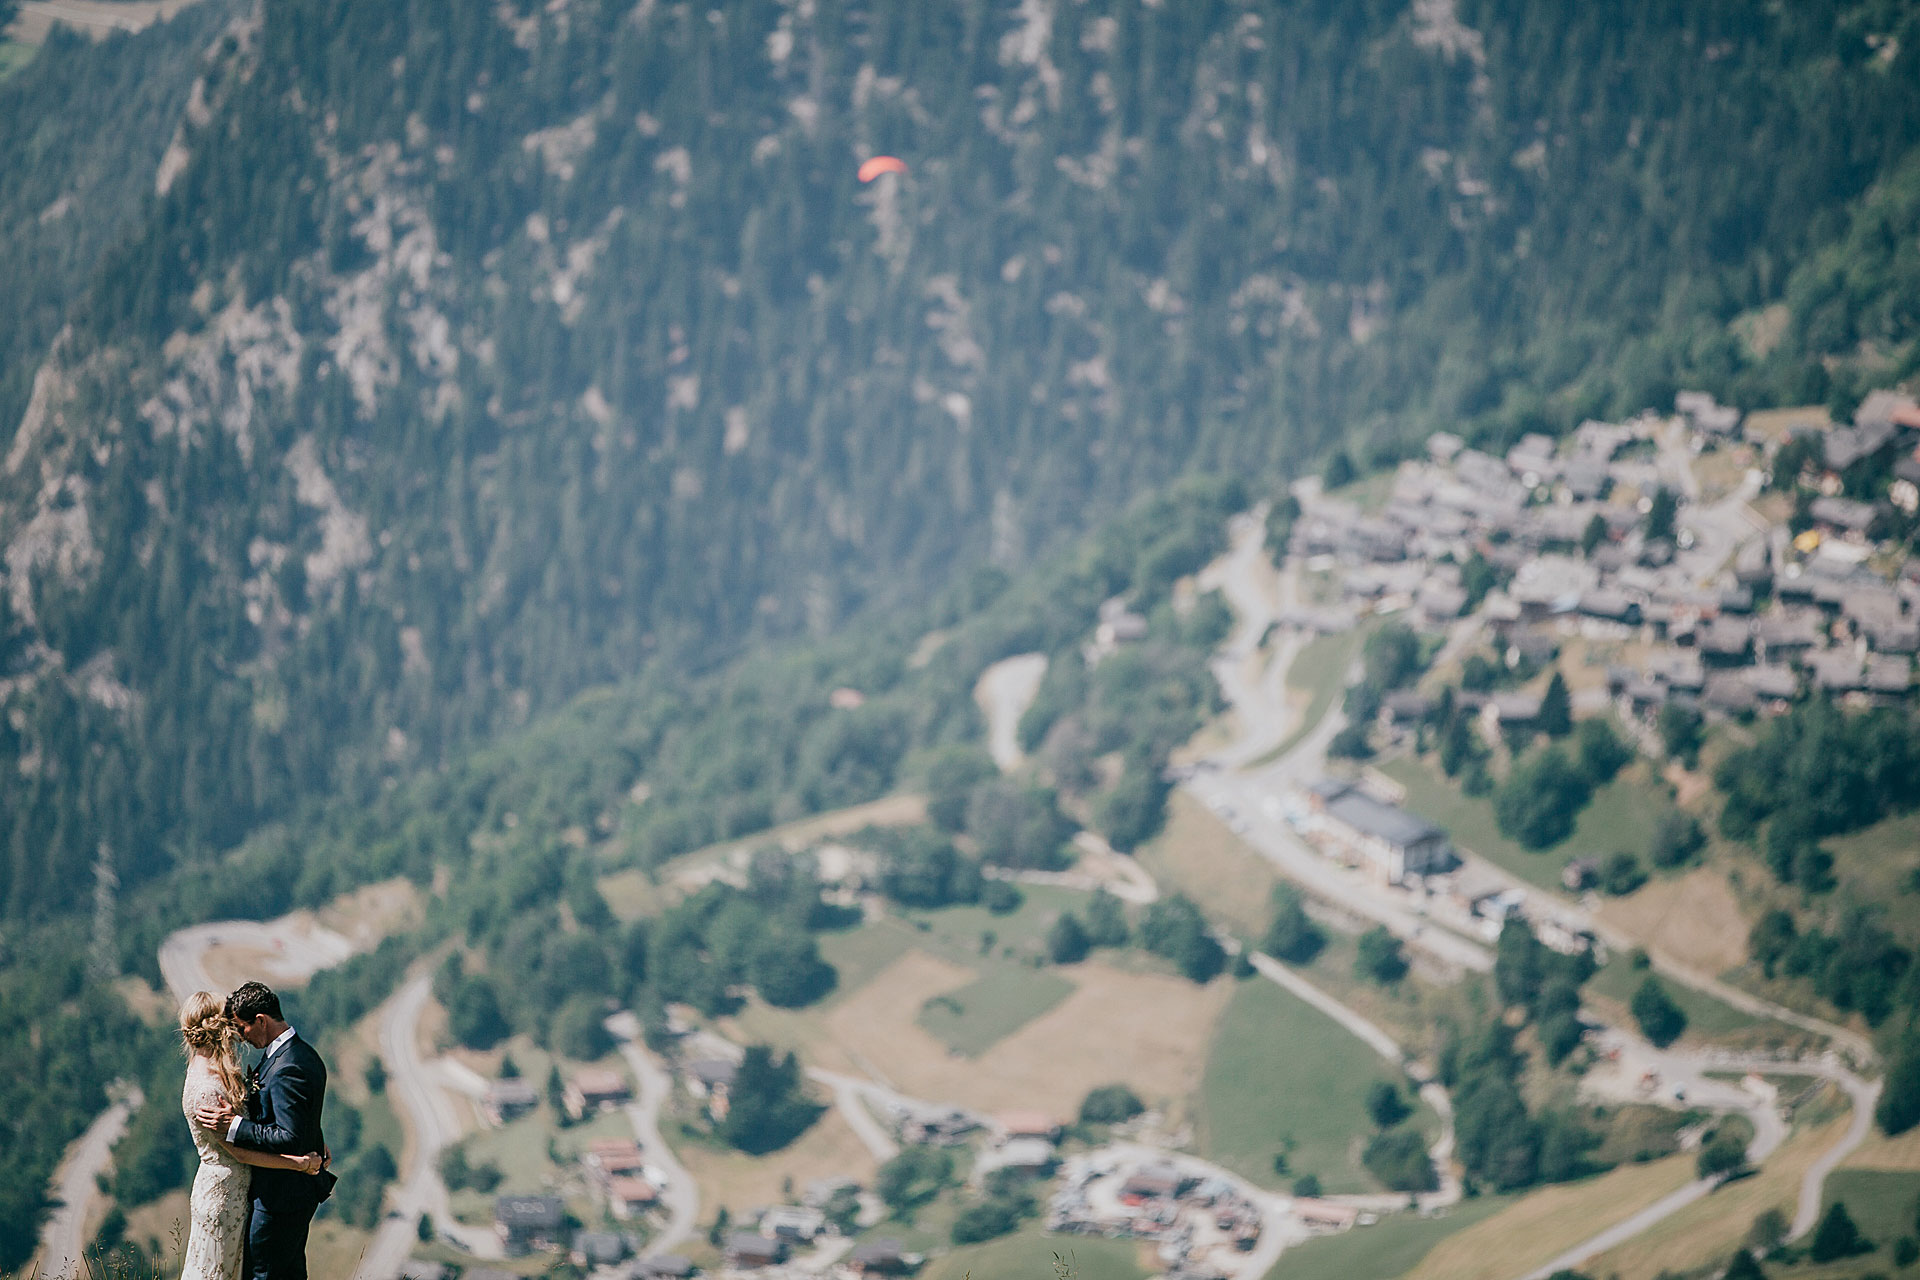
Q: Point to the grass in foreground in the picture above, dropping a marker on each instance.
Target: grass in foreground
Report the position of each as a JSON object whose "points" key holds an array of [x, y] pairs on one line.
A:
{"points": [[1279, 1070], [1391, 1248]]}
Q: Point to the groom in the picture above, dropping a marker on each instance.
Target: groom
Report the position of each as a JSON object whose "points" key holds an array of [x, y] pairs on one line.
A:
{"points": [[283, 1117]]}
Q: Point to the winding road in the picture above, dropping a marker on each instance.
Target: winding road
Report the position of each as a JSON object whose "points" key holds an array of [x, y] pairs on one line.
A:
{"points": [[64, 1234], [1004, 692], [433, 1123], [1247, 796], [681, 1195]]}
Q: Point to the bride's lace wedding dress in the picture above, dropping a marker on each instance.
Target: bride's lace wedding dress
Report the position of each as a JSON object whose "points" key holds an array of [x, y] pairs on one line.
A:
{"points": [[218, 1208]]}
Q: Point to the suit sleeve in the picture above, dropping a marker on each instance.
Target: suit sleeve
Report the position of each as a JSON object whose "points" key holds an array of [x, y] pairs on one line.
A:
{"points": [[295, 1090]]}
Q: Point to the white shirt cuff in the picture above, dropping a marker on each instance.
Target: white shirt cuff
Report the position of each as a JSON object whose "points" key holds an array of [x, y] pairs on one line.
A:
{"points": [[233, 1130]]}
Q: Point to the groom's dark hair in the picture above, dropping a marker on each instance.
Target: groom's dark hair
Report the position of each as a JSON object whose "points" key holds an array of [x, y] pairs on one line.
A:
{"points": [[251, 999]]}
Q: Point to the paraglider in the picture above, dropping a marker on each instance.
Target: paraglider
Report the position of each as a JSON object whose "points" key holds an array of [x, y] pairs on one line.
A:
{"points": [[878, 165]]}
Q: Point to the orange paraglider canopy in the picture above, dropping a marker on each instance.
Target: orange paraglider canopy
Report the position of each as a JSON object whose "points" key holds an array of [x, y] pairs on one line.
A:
{"points": [[878, 165]]}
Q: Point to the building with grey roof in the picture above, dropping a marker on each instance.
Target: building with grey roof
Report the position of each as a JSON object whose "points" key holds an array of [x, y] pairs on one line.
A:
{"points": [[1386, 837]]}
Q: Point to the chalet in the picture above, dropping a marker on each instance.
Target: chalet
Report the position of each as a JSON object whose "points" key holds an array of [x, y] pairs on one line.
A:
{"points": [[1644, 696], [1154, 1182], [881, 1258], [630, 1195], [1404, 708], [1532, 646], [1032, 1154], [1844, 447], [792, 1222], [1785, 636], [1842, 517], [1838, 671], [1396, 843], [1587, 479], [750, 1250], [595, 1090], [1706, 416], [607, 1158], [1729, 694], [598, 1249], [1753, 563], [1611, 604], [1027, 1124], [1680, 672], [1441, 602], [821, 1192], [1532, 460], [507, 1100], [1512, 709], [1889, 675], [712, 1079], [1725, 642], [528, 1222], [662, 1266], [1772, 684]]}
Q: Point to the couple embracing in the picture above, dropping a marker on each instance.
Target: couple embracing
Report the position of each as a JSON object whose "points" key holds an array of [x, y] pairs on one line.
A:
{"points": [[263, 1162]]}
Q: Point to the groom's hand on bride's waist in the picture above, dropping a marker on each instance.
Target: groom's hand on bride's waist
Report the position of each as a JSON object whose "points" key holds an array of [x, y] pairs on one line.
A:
{"points": [[213, 1117]]}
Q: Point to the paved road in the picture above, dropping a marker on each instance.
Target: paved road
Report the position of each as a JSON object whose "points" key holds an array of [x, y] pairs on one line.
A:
{"points": [[1767, 1138], [849, 1096], [681, 1195], [63, 1235], [433, 1123], [294, 946], [1262, 705], [1004, 692]]}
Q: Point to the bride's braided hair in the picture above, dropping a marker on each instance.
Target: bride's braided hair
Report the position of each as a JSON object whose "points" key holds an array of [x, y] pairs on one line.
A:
{"points": [[207, 1032]]}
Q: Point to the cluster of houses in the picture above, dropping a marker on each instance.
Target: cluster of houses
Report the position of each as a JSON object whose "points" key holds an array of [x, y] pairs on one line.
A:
{"points": [[1729, 615], [781, 1231], [1199, 1224]]}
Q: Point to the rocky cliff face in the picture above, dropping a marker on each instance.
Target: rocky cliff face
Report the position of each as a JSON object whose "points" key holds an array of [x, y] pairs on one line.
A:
{"points": [[467, 354]]}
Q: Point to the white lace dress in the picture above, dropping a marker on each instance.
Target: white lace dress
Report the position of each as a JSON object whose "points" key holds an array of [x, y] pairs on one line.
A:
{"points": [[218, 1208]]}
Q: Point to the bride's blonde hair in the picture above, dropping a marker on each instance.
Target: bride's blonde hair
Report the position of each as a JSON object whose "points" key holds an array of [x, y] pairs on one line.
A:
{"points": [[206, 1030]]}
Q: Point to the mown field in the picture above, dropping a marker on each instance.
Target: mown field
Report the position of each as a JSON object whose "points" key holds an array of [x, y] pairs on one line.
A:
{"points": [[1032, 1254], [1280, 1074], [1620, 816]]}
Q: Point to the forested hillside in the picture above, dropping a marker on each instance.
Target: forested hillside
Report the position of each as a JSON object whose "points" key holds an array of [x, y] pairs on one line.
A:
{"points": [[471, 354]]}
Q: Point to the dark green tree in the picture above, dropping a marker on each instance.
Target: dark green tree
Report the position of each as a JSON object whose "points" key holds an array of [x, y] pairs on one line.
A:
{"points": [[1661, 1020]]}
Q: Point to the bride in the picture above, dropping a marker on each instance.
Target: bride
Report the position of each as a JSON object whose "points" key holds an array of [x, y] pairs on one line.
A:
{"points": [[219, 1202]]}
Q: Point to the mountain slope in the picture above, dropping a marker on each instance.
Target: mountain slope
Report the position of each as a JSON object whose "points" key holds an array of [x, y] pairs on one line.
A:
{"points": [[476, 353]]}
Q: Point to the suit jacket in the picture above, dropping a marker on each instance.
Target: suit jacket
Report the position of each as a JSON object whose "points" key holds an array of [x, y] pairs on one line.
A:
{"points": [[283, 1117]]}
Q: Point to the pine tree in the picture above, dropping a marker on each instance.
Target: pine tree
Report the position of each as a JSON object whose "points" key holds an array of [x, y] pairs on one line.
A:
{"points": [[1836, 1236], [1556, 708]]}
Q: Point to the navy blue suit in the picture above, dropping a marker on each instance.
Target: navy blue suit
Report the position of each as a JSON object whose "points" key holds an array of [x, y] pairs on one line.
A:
{"points": [[283, 1117]]}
